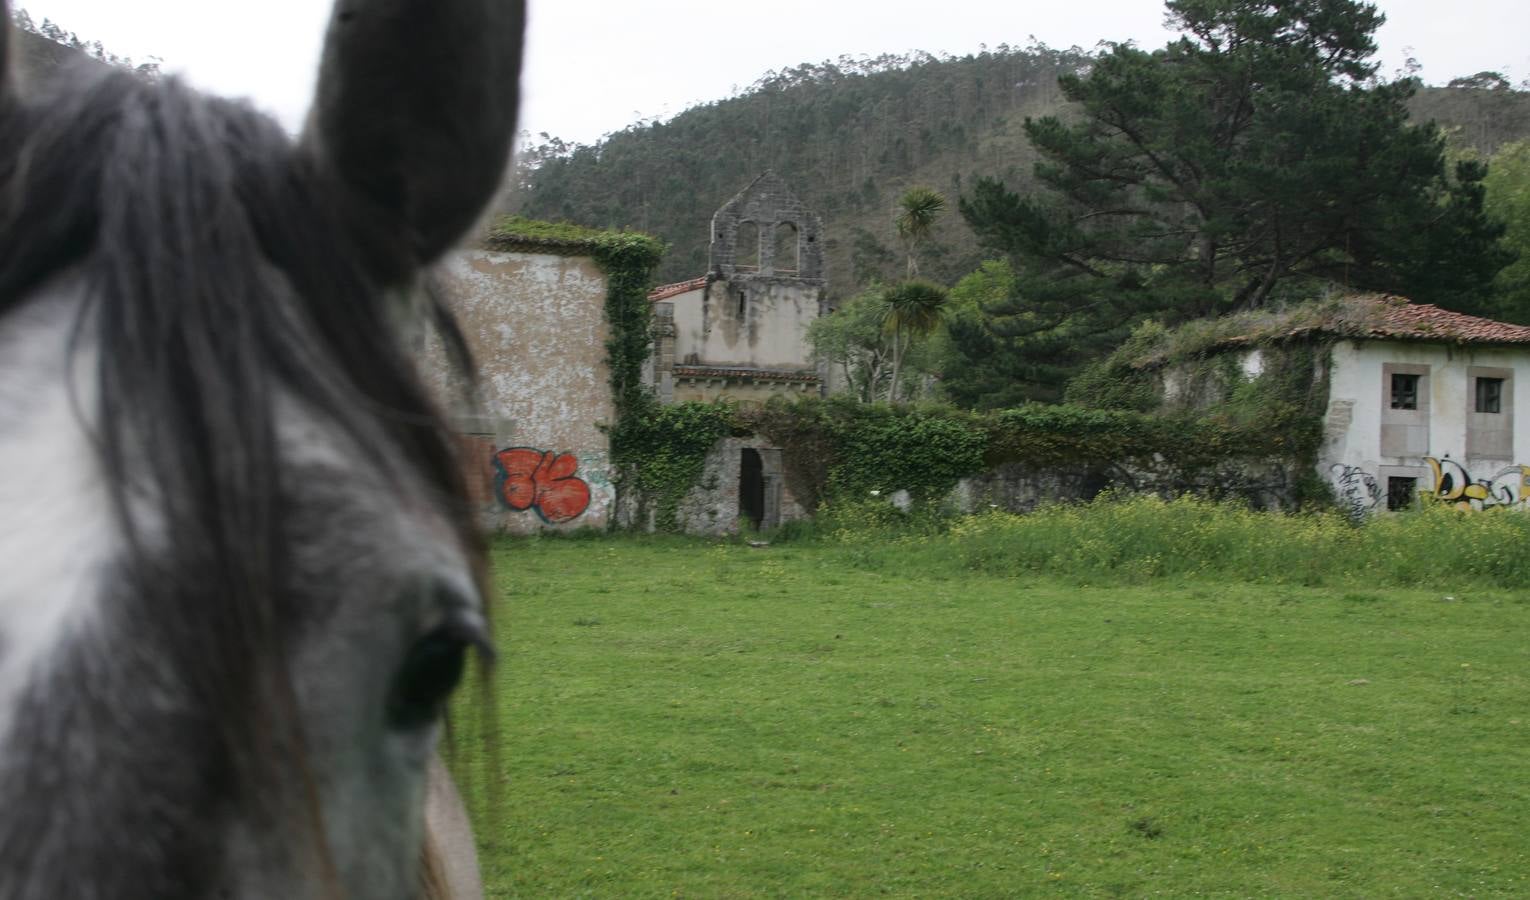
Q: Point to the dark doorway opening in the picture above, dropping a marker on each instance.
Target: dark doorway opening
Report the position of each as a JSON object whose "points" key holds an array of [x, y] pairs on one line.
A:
{"points": [[751, 486]]}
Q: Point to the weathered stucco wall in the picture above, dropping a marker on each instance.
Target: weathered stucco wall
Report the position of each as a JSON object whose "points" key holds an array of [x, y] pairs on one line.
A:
{"points": [[536, 326], [749, 322], [1367, 443]]}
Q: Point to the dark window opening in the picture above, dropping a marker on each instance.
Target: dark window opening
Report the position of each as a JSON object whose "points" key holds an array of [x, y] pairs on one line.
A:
{"points": [[751, 486], [1400, 492], [747, 247], [1489, 395], [785, 248], [1405, 392]]}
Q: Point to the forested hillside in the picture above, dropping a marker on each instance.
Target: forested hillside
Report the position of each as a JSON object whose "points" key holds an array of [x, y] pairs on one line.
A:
{"points": [[851, 136], [848, 137]]}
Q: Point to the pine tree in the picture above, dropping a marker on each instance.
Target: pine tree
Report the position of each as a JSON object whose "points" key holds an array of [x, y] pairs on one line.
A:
{"points": [[1257, 158], [1257, 150]]}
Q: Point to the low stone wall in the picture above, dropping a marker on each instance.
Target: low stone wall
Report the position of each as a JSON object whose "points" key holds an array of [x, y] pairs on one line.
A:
{"points": [[717, 504], [1262, 484]]}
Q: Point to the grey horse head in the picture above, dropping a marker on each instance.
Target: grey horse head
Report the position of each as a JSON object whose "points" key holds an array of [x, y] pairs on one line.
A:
{"points": [[237, 573]]}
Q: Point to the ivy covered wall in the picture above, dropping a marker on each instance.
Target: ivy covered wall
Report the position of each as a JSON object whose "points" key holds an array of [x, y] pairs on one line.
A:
{"points": [[838, 451], [1169, 413]]}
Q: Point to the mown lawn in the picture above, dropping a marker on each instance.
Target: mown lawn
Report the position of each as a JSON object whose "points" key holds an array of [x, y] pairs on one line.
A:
{"points": [[682, 718]]}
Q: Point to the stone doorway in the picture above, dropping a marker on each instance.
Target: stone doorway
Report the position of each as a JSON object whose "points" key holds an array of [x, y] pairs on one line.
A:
{"points": [[751, 487]]}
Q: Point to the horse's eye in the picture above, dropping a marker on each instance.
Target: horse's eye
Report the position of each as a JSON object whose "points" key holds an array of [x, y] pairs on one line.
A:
{"points": [[431, 669]]}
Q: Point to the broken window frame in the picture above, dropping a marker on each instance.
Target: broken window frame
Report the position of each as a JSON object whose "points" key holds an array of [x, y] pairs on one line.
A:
{"points": [[1404, 392], [1488, 395]]}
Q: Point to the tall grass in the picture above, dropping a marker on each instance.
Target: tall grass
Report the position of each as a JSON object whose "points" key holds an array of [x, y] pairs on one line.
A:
{"points": [[1125, 538]]}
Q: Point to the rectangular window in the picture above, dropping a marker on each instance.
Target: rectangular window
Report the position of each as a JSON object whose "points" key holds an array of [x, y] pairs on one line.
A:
{"points": [[1404, 391], [1400, 492], [1489, 395]]}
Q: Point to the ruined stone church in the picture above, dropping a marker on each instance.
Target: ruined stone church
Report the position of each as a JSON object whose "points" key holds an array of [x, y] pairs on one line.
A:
{"points": [[740, 330]]}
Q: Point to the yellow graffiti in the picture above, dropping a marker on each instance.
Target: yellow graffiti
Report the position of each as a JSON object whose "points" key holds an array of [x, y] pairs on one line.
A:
{"points": [[1509, 486]]}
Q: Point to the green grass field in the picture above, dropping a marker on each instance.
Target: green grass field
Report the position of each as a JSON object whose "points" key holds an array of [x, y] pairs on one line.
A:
{"points": [[693, 719]]}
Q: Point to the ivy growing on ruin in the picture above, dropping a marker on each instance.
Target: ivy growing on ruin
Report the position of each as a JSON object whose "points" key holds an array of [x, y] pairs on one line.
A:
{"points": [[1281, 408], [835, 449], [628, 259], [662, 450]]}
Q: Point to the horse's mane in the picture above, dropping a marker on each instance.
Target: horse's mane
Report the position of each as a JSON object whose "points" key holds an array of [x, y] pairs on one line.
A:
{"points": [[216, 279]]}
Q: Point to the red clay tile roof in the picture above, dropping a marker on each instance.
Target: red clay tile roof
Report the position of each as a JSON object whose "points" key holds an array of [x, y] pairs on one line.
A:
{"points": [[739, 373], [665, 291], [1422, 321], [1384, 316]]}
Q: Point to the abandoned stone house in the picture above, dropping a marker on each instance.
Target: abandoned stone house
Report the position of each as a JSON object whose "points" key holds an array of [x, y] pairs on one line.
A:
{"points": [[740, 330], [1420, 400]]}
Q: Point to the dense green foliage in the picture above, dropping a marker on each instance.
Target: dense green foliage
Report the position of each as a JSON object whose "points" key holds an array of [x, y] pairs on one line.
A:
{"points": [[1508, 200], [846, 448], [843, 450], [897, 715], [853, 340], [837, 449], [1128, 537], [1141, 536], [867, 341], [661, 450]]}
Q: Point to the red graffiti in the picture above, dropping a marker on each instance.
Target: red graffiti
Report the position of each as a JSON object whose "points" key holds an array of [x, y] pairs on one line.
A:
{"points": [[543, 481]]}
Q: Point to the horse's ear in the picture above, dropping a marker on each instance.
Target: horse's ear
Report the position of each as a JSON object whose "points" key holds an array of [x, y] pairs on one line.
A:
{"points": [[414, 117]]}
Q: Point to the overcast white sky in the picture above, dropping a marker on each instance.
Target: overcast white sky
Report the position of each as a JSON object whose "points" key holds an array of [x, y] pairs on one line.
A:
{"points": [[597, 66]]}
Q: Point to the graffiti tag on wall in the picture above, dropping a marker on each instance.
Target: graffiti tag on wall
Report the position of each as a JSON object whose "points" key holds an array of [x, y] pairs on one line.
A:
{"points": [[543, 481], [1453, 484], [1358, 490]]}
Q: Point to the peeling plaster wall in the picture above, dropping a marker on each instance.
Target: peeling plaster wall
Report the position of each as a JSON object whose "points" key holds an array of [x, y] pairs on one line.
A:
{"points": [[1353, 455], [536, 326], [756, 322], [1358, 386]]}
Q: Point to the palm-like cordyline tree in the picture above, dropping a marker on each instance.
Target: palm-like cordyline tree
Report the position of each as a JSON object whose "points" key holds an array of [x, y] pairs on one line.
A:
{"points": [[911, 308], [920, 207]]}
